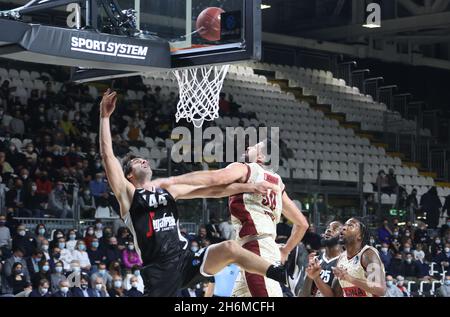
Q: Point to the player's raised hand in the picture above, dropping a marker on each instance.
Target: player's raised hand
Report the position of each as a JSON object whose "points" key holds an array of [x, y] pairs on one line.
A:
{"points": [[340, 273], [265, 188], [313, 270], [108, 103]]}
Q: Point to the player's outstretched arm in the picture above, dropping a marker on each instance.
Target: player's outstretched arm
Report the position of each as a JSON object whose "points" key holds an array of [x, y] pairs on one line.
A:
{"points": [[192, 192], [374, 282], [233, 173], [122, 188], [291, 212]]}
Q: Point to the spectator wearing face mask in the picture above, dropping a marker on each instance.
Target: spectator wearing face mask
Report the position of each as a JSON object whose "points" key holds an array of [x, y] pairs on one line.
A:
{"points": [[57, 276], [401, 286], [406, 249], [423, 268], [40, 234], [89, 237], [72, 240], [63, 289], [397, 266], [130, 257], [115, 268], [66, 255], [411, 268], [112, 252], [227, 230], [45, 249], [24, 240], [436, 247], [15, 199], [33, 201], [82, 256], [26, 290], [103, 274], [117, 289], [133, 291], [17, 279], [194, 246], [391, 289], [42, 290], [84, 290], [444, 290], [43, 273], [385, 255], [418, 252], [33, 262], [134, 272], [100, 288], [98, 187], [443, 258], [87, 204], [95, 253], [98, 232]]}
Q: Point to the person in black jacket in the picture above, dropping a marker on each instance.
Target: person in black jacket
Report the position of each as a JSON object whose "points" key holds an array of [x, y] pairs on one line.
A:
{"points": [[24, 240], [83, 290], [64, 290], [42, 290], [397, 266], [412, 270], [42, 274], [133, 291], [431, 204], [112, 252], [17, 280]]}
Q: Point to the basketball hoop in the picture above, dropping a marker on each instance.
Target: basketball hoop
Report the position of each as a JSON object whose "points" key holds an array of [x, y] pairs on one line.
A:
{"points": [[199, 93]]}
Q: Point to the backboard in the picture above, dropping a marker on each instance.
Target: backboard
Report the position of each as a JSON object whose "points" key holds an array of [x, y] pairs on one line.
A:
{"points": [[175, 21]]}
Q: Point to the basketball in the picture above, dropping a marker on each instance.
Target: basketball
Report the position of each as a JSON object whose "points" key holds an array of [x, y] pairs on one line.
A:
{"points": [[208, 23]]}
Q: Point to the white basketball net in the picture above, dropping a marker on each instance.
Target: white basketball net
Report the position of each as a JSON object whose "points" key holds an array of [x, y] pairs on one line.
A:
{"points": [[199, 93]]}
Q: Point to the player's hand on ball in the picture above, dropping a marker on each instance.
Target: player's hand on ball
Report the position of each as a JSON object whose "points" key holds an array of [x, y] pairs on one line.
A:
{"points": [[265, 188], [108, 103], [313, 270]]}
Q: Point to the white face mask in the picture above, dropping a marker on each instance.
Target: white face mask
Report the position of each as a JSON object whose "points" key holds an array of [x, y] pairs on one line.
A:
{"points": [[384, 250], [447, 250], [22, 233], [44, 291], [64, 289], [134, 284], [98, 287], [45, 247], [117, 284]]}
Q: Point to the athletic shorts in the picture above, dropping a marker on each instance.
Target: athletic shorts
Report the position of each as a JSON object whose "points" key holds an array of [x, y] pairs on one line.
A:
{"points": [[253, 285], [166, 278]]}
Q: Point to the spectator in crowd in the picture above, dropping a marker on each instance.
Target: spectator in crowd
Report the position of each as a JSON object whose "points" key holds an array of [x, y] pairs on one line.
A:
{"points": [[98, 187], [312, 239], [117, 289], [42, 290], [44, 185], [40, 234], [283, 230], [391, 289], [82, 256], [5, 167], [115, 268], [134, 272], [103, 274], [384, 232], [45, 249], [58, 202], [412, 270], [423, 268], [89, 237], [202, 234], [98, 232], [418, 252], [96, 254], [33, 262], [112, 251], [24, 240], [385, 255], [431, 204], [444, 290], [411, 201], [226, 229], [17, 278], [57, 276], [383, 183], [5, 234], [100, 287], [130, 257], [83, 290], [27, 289], [401, 286], [133, 291], [421, 234], [65, 254], [194, 246], [15, 199], [87, 204], [397, 266], [63, 289], [43, 273], [123, 236], [72, 240], [212, 230], [406, 249], [34, 202], [443, 257]]}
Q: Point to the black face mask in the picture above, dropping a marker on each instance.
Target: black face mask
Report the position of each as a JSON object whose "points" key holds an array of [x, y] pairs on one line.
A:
{"points": [[329, 243], [56, 255]]}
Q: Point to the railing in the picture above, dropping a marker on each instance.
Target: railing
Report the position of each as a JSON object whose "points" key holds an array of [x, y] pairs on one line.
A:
{"points": [[439, 163], [358, 77], [385, 94], [371, 86], [344, 71]]}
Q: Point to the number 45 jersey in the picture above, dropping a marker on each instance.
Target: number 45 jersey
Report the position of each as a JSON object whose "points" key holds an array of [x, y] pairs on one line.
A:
{"points": [[255, 214]]}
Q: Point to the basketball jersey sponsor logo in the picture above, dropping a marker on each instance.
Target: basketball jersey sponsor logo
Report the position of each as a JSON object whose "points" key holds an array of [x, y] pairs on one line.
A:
{"points": [[354, 292], [165, 223]]}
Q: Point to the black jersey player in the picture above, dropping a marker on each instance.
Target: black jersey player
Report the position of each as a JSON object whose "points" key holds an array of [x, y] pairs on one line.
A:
{"points": [[152, 216]]}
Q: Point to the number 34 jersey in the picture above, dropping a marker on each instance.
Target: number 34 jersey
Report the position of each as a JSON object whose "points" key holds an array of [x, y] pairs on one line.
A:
{"points": [[256, 214]]}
